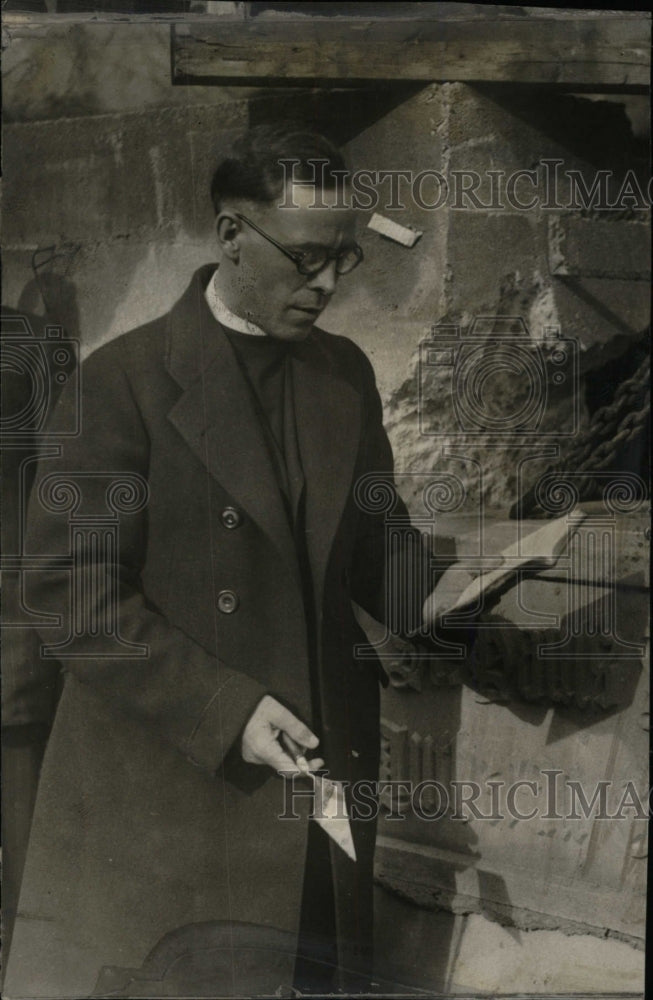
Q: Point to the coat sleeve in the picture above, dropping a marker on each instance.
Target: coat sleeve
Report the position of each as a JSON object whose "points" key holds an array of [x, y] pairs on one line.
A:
{"points": [[178, 690], [389, 568], [394, 572]]}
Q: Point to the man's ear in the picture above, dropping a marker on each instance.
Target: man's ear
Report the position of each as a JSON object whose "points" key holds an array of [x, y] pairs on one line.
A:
{"points": [[228, 230]]}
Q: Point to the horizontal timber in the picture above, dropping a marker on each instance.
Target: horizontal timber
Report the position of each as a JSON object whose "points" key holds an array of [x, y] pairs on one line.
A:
{"points": [[577, 53]]}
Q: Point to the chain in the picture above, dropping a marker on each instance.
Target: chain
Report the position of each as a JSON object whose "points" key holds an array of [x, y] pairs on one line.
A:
{"points": [[612, 428]]}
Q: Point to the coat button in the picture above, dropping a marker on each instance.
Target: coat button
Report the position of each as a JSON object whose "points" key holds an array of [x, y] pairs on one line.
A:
{"points": [[227, 602], [231, 517]]}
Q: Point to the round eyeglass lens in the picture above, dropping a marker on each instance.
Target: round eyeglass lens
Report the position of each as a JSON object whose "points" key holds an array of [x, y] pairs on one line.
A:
{"points": [[313, 260], [316, 258], [349, 259]]}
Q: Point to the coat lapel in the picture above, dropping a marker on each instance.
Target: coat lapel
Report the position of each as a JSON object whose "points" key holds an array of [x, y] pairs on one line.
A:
{"points": [[216, 417], [328, 415]]}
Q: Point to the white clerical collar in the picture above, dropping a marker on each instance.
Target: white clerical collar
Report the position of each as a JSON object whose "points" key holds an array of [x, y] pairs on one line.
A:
{"points": [[225, 316]]}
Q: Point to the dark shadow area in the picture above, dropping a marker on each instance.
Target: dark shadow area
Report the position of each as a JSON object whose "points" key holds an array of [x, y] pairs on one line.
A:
{"points": [[219, 958], [496, 903], [597, 131], [602, 384], [590, 663], [419, 964], [606, 678], [341, 112], [609, 315], [532, 670], [366, 10], [51, 290], [33, 373]]}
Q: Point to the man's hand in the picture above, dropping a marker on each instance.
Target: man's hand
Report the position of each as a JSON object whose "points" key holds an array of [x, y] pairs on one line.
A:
{"points": [[260, 740]]}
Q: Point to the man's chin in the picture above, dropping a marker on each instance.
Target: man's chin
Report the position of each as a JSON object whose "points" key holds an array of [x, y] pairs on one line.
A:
{"points": [[297, 327]]}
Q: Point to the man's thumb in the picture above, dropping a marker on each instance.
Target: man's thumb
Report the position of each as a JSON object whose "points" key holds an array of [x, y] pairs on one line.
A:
{"points": [[296, 730]]}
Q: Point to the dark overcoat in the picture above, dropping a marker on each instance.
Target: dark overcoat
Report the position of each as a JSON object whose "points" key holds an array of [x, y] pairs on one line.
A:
{"points": [[146, 823]]}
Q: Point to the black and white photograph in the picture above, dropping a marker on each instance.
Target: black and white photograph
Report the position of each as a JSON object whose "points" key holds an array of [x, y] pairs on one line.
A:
{"points": [[325, 499]]}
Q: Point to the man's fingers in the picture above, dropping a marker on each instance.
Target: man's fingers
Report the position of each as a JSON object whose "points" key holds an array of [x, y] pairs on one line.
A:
{"points": [[297, 753], [272, 725], [269, 751], [283, 718], [287, 767]]}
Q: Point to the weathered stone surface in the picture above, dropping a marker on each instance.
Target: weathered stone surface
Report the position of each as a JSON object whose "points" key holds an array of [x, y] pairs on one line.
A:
{"points": [[121, 199], [499, 263], [564, 863], [465, 954], [98, 178], [396, 294], [592, 249], [72, 69]]}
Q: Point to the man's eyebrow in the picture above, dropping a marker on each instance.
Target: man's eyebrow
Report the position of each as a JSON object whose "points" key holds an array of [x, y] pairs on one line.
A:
{"points": [[311, 245]]}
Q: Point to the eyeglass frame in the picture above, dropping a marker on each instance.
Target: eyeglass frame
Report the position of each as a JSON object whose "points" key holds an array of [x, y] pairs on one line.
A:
{"points": [[296, 256]]}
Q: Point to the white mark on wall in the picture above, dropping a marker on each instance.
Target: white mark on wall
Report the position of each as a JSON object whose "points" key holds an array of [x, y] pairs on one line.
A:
{"points": [[542, 312], [155, 159]]}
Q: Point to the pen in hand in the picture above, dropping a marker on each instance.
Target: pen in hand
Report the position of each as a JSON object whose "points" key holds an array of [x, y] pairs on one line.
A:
{"points": [[327, 787], [296, 753]]}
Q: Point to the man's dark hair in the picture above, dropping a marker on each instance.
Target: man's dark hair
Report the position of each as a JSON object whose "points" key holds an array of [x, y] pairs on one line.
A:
{"points": [[253, 171]]}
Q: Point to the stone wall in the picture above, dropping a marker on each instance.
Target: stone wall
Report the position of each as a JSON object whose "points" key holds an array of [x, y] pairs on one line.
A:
{"points": [[474, 261], [555, 694], [110, 165]]}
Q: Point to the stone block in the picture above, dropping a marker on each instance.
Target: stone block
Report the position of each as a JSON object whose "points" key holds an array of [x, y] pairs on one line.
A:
{"points": [[497, 264], [564, 867], [68, 69], [109, 177], [523, 129], [395, 295], [603, 314], [589, 248], [85, 179], [559, 962]]}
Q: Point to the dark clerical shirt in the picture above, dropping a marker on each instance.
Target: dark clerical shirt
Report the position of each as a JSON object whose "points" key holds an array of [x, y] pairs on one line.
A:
{"points": [[267, 365]]}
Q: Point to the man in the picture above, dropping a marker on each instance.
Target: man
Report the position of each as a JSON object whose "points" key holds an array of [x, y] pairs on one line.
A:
{"points": [[157, 863]]}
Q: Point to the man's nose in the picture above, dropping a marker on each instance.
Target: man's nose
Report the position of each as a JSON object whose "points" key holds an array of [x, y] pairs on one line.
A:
{"points": [[325, 281]]}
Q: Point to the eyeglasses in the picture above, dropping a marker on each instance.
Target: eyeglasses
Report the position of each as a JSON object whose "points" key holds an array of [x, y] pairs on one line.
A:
{"points": [[312, 260]]}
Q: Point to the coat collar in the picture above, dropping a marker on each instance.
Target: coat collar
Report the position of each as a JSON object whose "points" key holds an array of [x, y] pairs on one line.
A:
{"points": [[192, 334], [216, 418]]}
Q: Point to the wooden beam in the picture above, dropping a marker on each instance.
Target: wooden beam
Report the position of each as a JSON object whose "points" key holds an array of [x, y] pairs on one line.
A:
{"points": [[602, 53]]}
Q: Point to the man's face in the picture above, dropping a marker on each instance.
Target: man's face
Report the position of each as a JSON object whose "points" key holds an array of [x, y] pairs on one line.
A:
{"points": [[270, 290]]}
